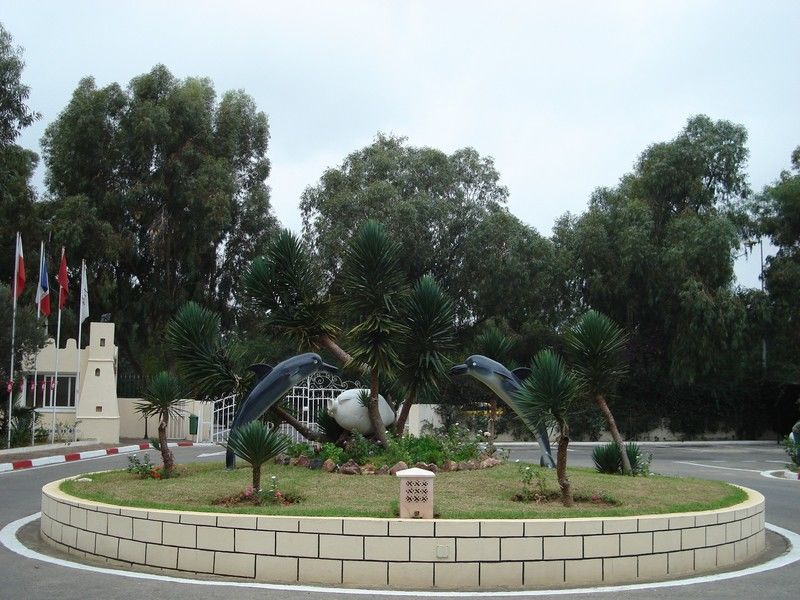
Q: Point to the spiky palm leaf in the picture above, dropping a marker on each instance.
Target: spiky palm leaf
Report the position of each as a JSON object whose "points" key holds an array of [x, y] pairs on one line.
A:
{"points": [[429, 316], [206, 363], [549, 390], [163, 397], [256, 444], [287, 285], [596, 345], [373, 286], [492, 342]]}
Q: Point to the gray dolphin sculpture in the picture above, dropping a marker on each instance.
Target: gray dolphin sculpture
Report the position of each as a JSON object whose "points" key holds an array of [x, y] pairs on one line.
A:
{"points": [[272, 385], [505, 384]]}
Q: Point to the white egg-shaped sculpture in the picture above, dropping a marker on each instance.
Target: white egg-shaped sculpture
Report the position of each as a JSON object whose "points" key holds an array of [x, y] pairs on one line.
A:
{"points": [[352, 415]]}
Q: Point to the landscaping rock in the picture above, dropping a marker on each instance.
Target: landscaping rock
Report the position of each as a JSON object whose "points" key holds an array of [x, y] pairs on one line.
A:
{"points": [[384, 470], [316, 464], [427, 466], [449, 465], [368, 469], [329, 466], [490, 462], [282, 459], [350, 468], [398, 467], [302, 461]]}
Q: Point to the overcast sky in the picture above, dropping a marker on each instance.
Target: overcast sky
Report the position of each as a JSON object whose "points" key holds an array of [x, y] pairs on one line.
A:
{"points": [[563, 95]]}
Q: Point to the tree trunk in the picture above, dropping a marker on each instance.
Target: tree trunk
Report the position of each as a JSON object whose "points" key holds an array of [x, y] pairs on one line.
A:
{"points": [[400, 424], [561, 465], [256, 478], [374, 412], [166, 454], [342, 356], [612, 428], [492, 426], [305, 431]]}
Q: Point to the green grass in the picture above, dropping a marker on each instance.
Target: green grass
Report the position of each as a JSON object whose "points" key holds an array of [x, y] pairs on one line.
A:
{"points": [[484, 494]]}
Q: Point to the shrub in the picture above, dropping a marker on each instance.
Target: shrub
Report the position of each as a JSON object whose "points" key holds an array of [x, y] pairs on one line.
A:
{"points": [[607, 459], [256, 444], [299, 449], [792, 448], [332, 452]]}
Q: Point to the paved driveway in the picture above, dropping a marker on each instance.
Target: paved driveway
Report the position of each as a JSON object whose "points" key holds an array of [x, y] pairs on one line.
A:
{"points": [[742, 464]]}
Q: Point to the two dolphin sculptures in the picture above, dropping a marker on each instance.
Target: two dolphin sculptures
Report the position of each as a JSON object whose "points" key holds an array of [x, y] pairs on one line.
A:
{"points": [[505, 384], [273, 383]]}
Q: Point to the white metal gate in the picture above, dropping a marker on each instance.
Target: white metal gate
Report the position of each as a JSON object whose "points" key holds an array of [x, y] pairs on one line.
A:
{"points": [[305, 402]]}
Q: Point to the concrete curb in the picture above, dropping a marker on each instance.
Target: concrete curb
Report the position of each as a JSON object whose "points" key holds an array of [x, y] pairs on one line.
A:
{"points": [[75, 456]]}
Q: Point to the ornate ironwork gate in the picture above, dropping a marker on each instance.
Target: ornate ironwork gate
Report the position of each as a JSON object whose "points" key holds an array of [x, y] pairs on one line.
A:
{"points": [[305, 402]]}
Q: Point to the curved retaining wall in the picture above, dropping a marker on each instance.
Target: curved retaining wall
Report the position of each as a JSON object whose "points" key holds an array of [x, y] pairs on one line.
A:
{"points": [[408, 554]]}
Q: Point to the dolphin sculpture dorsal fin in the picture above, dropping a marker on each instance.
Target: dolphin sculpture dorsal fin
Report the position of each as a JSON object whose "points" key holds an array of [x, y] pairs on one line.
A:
{"points": [[261, 370], [522, 373]]}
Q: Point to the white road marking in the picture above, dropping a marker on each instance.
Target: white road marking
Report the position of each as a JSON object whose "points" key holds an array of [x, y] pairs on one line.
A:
{"points": [[686, 462], [210, 454], [8, 537]]}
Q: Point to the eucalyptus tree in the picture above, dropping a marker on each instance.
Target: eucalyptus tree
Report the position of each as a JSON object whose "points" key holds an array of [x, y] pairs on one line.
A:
{"points": [[167, 182], [546, 396], [596, 345]]}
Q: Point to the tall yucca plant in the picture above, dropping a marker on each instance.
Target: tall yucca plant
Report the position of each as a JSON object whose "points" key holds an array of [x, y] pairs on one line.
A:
{"points": [[546, 396], [492, 342], [287, 285], [596, 345], [206, 363], [429, 317], [163, 398], [372, 290], [256, 444]]}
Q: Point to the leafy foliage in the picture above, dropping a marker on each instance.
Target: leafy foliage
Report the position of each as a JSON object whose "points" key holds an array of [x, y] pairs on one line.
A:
{"points": [[607, 459], [163, 398], [257, 444], [549, 391], [597, 346]]}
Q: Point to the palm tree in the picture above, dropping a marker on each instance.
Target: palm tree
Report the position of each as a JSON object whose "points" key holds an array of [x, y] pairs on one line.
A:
{"points": [[596, 345], [495, 344], [163, 398], [256, 444], [546, 395], [289, 288], [372, 287], [429, 317]]}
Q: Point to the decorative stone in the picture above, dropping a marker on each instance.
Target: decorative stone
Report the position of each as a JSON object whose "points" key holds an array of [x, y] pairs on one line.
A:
{"points": [[384, 470], [398, 467], [368, 469], [449, 465], [350, 468], [281, 459], [329, 466], [315, 464], [416, 493], [348, 411], [490, 462], [303, 461], [427, 466]]}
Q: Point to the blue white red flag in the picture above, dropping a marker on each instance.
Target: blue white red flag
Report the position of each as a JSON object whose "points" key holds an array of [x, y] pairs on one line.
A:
{"points": [[43, 291]]}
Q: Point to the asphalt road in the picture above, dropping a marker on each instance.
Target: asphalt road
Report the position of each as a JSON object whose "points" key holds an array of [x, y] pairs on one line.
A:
{"points": [[22, 578]]}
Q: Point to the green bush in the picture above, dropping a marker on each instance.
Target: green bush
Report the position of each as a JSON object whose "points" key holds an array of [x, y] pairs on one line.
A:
{"points": [[792, 448], [300, 449], [333, 452], [607, 459]]}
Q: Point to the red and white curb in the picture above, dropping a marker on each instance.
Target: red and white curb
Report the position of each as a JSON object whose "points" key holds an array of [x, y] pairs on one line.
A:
{"points": [[75, 456]]}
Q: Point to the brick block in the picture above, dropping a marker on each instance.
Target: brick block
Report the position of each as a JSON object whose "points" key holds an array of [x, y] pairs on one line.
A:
{"points": [[211, 538], [296, 544], [620, 569], [740, 550], [255, 542], [359, 573], [501, 575], [411, 528], [276, 569], [341, 546], [595, 546], [621, 525], [164, 516], [705, 559], [449, 576], [199, 519], [527, 548], [681, 522], [725, 556], [653, 523], [147, 531], [105, 545], [77, 517], [502, 528], [162, 556], [278, 524], [69, 536], [197, 561], [563, 547], [726, 516], [131, 551], [238, 565], [366, 527], [175, 534], [666, 541], [680, 562], [583, 571], [237, 521], [693, 538], [457, 529], [387, 548], [715, 535], [480, 549], [653, 566], [121, 527], [62, 513], [733, 531], [97, 522], [425, 549], [544, 528], [407, 576], [320, 525], [705, 519], [85, 541], [583, 527], [543, 573], [317, 570]]}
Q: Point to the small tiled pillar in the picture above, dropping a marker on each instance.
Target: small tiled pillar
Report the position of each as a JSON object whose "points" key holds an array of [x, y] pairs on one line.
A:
{"points": [[416, 493]]}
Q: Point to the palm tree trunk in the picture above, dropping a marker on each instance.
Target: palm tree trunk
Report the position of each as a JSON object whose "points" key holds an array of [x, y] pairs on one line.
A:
{"points": [[612, 428], [400, 424], [166, 454], [342, 356], [256, 478], [561, 465], [305, 431], [374, 411]]}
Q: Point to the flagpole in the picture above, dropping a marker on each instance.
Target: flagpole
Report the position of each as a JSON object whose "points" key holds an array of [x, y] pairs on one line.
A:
{"points": [[54, 387], [80, 327], [13, 335]]}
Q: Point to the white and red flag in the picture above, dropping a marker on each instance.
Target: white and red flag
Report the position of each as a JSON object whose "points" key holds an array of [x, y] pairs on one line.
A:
{"points": [[19, 269], [43, 291], [63, 281]]}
